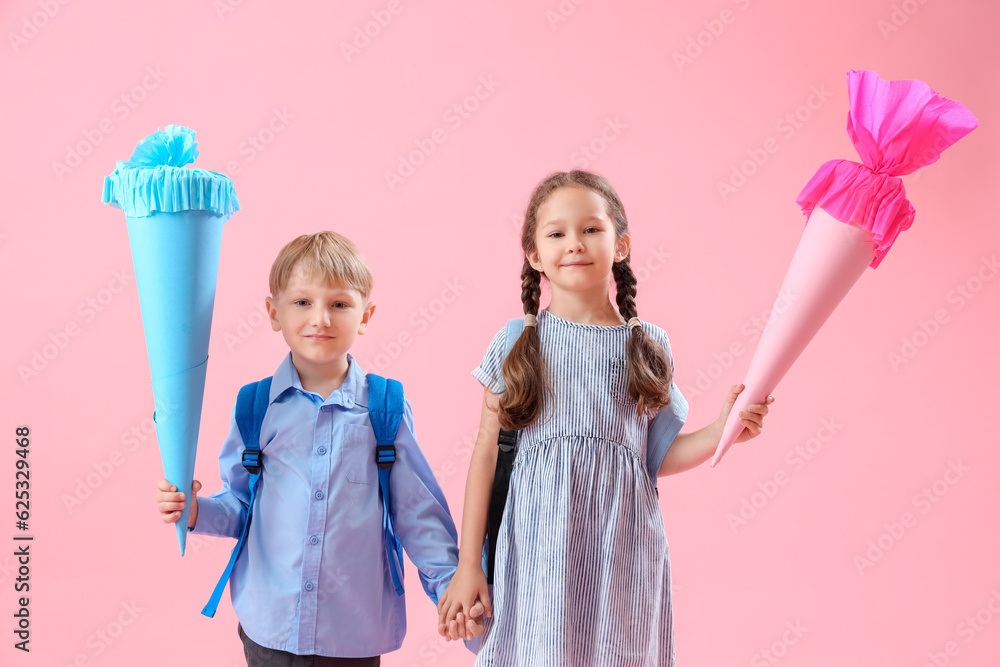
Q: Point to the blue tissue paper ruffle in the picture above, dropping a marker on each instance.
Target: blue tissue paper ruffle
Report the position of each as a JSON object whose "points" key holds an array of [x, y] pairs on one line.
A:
{"points": [[154, 179], [174, 146]]}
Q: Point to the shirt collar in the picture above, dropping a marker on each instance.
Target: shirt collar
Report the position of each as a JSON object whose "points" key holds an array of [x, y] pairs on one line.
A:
{"points": [[286, 377]]}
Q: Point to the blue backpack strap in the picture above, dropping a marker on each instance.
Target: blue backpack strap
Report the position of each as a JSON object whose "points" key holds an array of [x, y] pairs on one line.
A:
{"points": [[251, 404], [514, 329], [385, 410]]}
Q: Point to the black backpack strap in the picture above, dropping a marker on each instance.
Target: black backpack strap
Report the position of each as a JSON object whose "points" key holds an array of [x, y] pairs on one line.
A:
{"points": [[507, 445]]}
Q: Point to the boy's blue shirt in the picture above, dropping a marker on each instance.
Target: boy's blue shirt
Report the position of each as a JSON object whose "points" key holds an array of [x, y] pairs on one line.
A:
{"points": [[312, 578]]}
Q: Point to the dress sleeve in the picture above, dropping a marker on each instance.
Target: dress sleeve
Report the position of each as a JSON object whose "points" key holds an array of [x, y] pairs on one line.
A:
{"points": [[668, 422], [490, 371]]}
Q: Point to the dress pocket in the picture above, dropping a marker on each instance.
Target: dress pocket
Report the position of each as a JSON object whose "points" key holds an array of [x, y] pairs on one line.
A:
{"points": [[618, 379], [357, 454]]}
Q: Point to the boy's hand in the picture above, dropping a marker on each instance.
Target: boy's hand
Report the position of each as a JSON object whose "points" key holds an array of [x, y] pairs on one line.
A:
{"points": [[752, 418], [170, 502], [462, 606]]}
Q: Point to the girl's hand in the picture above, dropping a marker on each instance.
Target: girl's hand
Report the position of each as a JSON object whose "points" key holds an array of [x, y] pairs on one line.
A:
{"points": [[476, 623], [752, 418], [463, 604]]}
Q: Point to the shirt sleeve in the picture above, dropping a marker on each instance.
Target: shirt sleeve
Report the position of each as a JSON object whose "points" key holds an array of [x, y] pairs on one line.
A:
{"points": [[420, 513], [667, 423], [490, 370], [224, 513]]}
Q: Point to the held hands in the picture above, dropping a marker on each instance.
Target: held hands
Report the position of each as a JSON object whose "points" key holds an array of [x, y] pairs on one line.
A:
{"points": [[464, 605], [170, 502], [752, 418]]}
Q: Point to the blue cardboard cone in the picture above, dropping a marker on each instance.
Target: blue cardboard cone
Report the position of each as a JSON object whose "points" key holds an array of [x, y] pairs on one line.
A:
{"points": [[175, 217]]}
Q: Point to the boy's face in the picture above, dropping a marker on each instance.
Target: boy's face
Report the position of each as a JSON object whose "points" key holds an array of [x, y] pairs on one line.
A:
{"points": [[319, 322]]}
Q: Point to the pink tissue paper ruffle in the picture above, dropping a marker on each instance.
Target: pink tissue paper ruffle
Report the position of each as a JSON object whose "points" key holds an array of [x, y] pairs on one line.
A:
{"points": [[897, 127]]}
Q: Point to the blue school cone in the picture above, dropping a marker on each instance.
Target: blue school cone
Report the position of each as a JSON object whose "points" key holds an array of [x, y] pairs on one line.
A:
{"points": [[175, 217]]}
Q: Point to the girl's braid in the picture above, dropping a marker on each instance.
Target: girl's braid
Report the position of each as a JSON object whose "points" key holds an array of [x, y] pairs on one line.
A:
{"points": [[625, 283], [531, 288]]}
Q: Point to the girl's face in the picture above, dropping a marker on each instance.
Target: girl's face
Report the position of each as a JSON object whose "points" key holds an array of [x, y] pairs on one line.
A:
{"points": [[575, 240]]}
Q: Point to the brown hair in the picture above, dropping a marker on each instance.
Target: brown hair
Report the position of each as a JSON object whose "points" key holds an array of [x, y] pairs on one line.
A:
{"points": [[325, 256], [649, 373]]}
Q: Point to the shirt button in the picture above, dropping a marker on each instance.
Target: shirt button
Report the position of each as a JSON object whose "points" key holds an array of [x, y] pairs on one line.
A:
{"points": [[319, 495], [309, 586], [321, 450], [313, 539]]}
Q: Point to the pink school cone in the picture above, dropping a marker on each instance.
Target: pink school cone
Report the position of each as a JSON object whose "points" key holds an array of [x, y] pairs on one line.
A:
{"points": [[855, 211]]}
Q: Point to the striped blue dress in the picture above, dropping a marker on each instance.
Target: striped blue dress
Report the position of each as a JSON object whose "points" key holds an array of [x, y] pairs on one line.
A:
{"points": [[582, 572]]}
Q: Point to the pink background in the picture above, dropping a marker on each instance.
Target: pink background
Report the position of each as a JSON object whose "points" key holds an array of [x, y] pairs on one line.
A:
{"points": [[107, 584]]}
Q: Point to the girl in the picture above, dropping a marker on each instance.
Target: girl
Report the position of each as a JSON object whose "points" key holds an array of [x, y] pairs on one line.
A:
{"points": [[582, 574]]}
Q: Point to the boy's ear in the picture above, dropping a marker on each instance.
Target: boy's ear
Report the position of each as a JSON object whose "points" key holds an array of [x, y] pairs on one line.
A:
{"points": [[365, 317], [272, 314]]}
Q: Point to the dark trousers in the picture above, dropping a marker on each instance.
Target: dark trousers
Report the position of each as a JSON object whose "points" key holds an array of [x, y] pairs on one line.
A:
{"points": [[259, 656]]}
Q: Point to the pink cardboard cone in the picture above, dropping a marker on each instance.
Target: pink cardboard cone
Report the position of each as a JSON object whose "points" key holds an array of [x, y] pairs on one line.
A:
{"points": [[857, 212], [830, 258]]}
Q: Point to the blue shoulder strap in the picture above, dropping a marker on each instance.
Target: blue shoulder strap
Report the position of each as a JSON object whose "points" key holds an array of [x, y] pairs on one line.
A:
{"points": [[385, 410], [513, 332], [251, 404], [514, 329]]}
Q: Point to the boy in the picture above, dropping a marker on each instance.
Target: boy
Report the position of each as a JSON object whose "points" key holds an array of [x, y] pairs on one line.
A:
{"points": [[311, 585]]}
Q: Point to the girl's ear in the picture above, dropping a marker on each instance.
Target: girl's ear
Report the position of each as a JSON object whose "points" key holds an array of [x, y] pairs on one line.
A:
{"points": [[533, 260], [622, 247]]}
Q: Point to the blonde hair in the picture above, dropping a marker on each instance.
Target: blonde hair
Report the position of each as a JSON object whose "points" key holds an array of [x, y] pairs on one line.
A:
{"points": [[327, 256]]}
